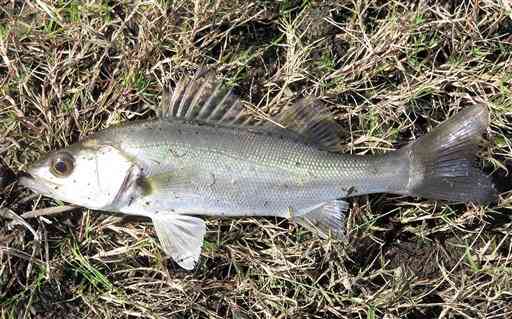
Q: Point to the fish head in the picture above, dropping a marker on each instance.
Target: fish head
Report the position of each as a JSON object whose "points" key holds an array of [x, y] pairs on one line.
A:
{"points": [[86, 174]]}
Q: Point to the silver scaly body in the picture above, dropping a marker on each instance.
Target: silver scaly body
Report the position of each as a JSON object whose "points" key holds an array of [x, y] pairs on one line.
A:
{"points": [[238, 172]]}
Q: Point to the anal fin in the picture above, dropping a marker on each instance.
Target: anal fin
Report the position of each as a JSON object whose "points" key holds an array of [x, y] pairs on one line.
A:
{"points": [[181, 237], [327, 220]]}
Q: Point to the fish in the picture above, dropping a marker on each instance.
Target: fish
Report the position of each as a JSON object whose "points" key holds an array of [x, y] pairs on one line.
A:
{"points": [[207, 154]]}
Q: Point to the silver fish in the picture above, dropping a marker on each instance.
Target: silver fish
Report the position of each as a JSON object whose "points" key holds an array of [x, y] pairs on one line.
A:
{"points": [[206, 154]]}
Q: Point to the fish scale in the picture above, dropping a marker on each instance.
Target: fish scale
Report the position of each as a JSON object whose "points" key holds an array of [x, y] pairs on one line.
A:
{"points": [[265, 166]]}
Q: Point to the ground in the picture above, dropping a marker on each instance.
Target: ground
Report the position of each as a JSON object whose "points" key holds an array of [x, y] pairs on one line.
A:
{"points": [[388, 70]]}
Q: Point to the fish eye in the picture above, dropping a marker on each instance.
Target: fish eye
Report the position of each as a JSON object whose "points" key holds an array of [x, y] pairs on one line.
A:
{"points": [[62, 164]]}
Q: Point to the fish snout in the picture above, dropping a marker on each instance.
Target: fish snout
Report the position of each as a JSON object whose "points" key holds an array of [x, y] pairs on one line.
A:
{"points": [[26, 180], [34, 184]]}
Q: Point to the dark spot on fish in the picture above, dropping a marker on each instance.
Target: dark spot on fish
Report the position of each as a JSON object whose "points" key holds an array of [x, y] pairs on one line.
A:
{"points": [[56, 188], [266, 203], [173, 210], [298, 164], [213, 180], [74, 181], [179, 132], [197, 132], [147, 203], [351, 190]]}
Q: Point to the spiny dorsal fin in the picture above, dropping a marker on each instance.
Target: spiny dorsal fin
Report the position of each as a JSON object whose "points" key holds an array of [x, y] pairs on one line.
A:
{"points": [[316, 125], [201, 98]]}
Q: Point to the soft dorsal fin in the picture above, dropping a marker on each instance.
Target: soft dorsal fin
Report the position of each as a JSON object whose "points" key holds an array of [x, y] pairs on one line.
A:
{"points": [[201, 98], [315, 124]]}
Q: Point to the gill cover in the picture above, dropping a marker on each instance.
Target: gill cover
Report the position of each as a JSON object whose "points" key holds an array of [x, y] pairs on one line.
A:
{"points": [[86, 174]]}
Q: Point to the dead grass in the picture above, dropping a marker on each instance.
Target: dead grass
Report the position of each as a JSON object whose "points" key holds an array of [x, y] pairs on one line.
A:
{"points": [[389, 70]]}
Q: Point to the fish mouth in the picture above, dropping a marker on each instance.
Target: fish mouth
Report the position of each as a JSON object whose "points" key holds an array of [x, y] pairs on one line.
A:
{"points": [[24, 175], [27, 180]]}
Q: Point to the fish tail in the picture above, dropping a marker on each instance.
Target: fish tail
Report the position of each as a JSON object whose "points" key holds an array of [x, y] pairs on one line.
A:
{"points": [[442, 164]]}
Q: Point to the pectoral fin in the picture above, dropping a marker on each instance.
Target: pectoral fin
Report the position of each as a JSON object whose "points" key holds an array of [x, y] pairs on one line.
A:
{"points": [[181, 237], [327, 220]]}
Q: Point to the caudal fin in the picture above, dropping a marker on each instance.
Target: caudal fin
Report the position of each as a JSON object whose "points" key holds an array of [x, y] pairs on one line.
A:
{"points": [[442, 163]]}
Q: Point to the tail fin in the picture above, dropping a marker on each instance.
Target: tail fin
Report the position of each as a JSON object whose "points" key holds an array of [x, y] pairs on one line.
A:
{"points": [[442, 163]]}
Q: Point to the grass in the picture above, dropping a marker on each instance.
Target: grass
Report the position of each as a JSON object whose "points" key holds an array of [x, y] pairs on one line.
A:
{"points": [[389, 70]]}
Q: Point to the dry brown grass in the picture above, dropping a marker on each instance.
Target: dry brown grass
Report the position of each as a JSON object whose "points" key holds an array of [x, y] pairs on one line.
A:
{"points": [[389, 70]]}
